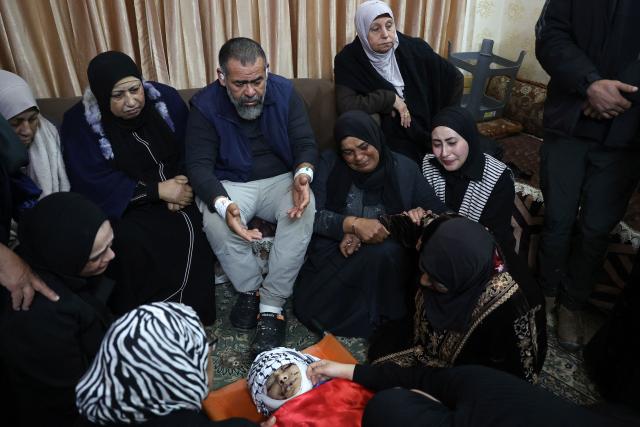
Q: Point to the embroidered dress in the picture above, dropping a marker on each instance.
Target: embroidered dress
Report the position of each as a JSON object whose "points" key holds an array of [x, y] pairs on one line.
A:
{"points": [[503, 335], [482, 318]]}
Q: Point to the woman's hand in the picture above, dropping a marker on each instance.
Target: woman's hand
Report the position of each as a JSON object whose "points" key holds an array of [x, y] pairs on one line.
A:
{"points": [[173, 207], [403, 111], [416, 215], [176, 190], [349, 245], [323, 370], [369, 230]]}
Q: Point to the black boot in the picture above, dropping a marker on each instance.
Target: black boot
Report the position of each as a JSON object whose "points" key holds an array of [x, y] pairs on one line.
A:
{"points": [[270, 333]]}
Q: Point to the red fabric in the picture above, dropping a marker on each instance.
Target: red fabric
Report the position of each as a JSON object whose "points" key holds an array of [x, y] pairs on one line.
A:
{"points": [[335, 403]]}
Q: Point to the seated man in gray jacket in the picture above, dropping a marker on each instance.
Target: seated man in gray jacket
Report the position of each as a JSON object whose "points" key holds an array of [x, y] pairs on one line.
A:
{"points": [[250, 152]]}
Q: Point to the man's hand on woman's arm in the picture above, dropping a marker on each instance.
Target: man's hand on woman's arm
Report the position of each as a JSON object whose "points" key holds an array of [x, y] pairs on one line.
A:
{"points": [[20, 281]]}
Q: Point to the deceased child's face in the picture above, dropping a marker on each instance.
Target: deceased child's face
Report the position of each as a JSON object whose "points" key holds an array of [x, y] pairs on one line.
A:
{"points": [[284, 383]]}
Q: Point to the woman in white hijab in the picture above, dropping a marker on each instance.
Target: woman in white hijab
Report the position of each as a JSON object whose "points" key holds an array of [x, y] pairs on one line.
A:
{"points": [[399, 77], [19, 108]]}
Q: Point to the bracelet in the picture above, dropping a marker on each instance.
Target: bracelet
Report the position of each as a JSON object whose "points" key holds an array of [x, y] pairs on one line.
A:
{"points": [[221, 205], [305, 170], [353, 227]]}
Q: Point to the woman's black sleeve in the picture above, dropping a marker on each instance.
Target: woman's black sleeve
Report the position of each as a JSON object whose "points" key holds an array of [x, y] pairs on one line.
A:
{"points": [[327, 223], [144, 193]]}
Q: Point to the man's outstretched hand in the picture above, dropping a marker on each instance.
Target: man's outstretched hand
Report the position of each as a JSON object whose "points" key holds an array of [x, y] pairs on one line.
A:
{"points": [[301, 194], [234, 221]]}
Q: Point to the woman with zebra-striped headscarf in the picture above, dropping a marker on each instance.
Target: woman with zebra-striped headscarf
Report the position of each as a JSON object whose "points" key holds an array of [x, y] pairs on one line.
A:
{"points": [[151, 369]]}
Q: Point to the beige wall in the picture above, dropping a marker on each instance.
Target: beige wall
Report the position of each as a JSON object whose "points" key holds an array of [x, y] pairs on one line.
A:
{"points": [[510, 23]]}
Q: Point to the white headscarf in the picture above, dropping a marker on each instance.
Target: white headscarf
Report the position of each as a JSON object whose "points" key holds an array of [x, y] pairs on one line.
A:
{"points": [[151, 362], [15, 95], [46, 165], [384, 63], [265, 364]]}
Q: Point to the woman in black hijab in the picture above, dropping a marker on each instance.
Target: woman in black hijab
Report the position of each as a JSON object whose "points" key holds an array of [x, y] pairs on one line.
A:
{"points": [[478, 187], [355, 275], [124, 149], [468, 181], [66, 240], [469, 309]]}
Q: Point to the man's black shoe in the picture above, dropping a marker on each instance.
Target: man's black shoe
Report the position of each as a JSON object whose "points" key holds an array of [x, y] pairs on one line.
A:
{"points": [[244, 314], [270, 333]]}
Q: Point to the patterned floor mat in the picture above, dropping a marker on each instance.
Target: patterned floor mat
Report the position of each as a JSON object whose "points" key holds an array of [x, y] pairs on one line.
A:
{"points": [[563, 372]]}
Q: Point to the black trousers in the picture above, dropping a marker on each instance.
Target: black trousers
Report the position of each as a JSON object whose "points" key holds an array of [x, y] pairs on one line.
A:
{"points": [[586, 189]]}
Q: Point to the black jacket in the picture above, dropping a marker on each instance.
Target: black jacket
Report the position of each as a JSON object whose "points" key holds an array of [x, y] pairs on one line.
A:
{"points": [[13, 155], [579, 42], [48, 348], [479, 396]]}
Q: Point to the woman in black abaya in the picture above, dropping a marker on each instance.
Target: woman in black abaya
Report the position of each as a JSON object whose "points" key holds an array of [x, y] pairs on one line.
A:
{"points": [[45, 350], [123, 149], [355, 276], [469, 309]]}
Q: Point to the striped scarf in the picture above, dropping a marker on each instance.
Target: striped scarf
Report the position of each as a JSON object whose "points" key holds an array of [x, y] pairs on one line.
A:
{"points": [[478, 192]]}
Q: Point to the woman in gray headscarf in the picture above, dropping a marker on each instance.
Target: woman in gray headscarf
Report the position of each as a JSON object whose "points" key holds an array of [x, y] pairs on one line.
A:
{"points": [[19, 108], [399, 77], [151, 370]]}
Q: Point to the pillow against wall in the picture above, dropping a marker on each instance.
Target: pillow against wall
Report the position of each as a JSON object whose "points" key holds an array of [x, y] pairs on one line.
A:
{"points": [[526, 103], [499, 128]]}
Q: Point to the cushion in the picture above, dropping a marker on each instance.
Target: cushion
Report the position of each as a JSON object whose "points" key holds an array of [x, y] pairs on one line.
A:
{"points": [[499, 128], [526, 103]]}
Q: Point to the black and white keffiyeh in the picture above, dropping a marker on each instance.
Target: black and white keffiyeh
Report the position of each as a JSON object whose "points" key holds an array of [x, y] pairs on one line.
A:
{"points": [[152, 361], [265, 364]]}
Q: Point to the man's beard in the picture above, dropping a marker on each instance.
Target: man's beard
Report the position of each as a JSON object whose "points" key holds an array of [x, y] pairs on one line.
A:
{"points": [[247, 112]]}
